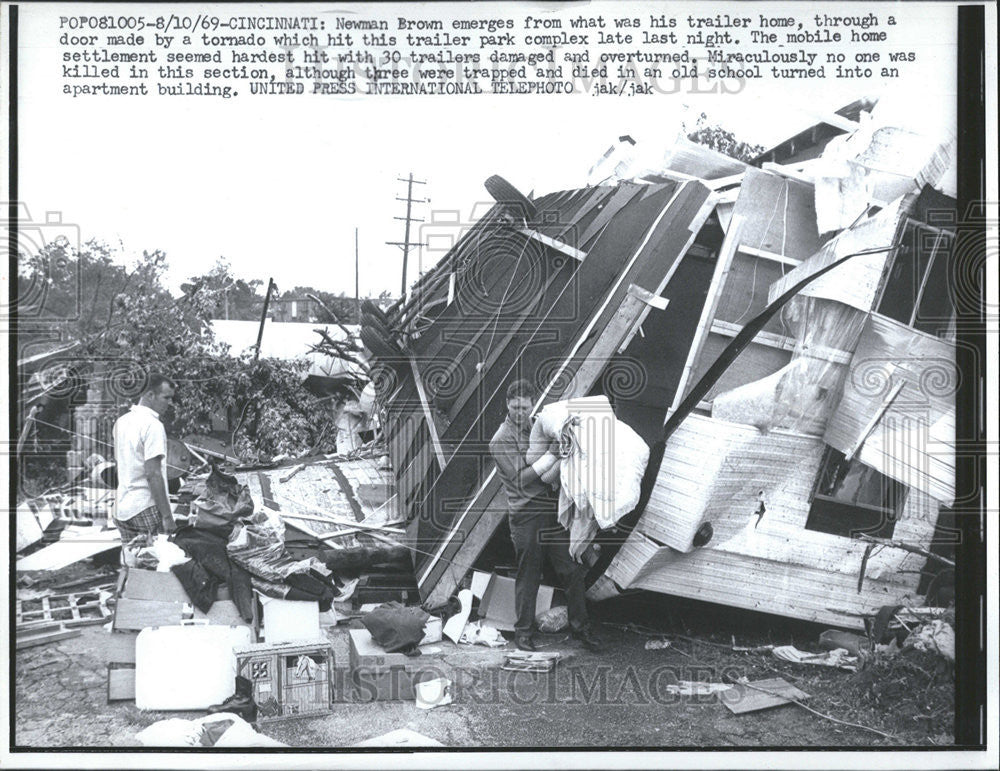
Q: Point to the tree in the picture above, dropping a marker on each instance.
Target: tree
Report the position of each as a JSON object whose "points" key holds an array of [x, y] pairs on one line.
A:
{"points": [[133, 327], [723, 140], [235, 298]]}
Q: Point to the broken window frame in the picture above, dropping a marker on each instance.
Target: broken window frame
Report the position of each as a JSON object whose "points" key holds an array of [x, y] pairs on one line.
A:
{"points": [[835, 469], [917, 241]]}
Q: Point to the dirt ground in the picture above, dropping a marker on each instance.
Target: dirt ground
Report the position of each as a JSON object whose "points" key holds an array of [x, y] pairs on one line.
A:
{"points": [[616, 698]]}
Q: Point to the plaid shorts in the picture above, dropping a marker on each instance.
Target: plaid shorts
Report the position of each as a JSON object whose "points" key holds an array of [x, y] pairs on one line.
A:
{"points": [[146, 522]]}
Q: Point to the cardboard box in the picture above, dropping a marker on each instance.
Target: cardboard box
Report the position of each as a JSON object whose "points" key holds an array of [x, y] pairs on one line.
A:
{"points": [[135, 615], [223, 613], [282, 686], [121, 682], [290, 620], [497, 606], [119, 647], [376, 675]]}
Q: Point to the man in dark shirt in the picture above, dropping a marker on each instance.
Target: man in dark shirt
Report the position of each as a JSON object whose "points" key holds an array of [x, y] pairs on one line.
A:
{"points": [[534, 527]]}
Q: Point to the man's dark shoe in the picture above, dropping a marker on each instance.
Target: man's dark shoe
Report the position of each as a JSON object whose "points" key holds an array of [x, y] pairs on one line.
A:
{"points": [[588, 640], [525, 643]]}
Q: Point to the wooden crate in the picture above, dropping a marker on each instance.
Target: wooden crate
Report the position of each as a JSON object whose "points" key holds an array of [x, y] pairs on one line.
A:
{"points": [[289, 680]]}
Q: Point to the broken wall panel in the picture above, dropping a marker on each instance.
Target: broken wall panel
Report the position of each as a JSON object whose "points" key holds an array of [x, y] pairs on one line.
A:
{"points": [[756, 361], [761, 559], [720, 473], [858, 281], [909, 434], [775, 587]]}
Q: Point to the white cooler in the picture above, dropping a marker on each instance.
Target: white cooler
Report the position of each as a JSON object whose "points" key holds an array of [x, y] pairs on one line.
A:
{"points": [[191, 666]]}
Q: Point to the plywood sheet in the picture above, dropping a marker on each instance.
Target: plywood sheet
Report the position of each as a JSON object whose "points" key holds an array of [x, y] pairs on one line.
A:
{"points": [[76, 544]]}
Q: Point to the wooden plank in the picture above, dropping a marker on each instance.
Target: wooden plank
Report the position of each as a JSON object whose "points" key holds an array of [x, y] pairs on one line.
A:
{"points": [[134, 615], [623, 196], [693, 229], [766, 255], [722, 266], [467, 551], [608, 342], [119, 647], [429, 418], [42, 638], [598, 198], [761, 694], [554, 243]]}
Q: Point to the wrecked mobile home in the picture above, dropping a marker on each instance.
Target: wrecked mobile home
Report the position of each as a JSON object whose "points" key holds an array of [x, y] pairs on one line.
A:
{"points": [[749, 370], [808, 477]]}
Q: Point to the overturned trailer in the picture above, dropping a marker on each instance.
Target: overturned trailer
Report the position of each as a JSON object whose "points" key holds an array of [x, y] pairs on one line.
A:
{"points": [[833, 426]]}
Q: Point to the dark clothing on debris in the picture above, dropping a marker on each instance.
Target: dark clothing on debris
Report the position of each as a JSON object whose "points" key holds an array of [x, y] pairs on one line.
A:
{"points": [[301, 587], [222, 502], [396, 628], [210, 566]]}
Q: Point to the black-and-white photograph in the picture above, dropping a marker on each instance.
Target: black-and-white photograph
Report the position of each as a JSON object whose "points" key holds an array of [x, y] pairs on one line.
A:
{"points": [[393, 381]]}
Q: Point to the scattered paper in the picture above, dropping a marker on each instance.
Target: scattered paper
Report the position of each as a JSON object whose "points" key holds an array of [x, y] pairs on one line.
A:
{"points": [[433, 693], [690, 688], [455, 625], [839, 657], [478, 633], [657, 645]]}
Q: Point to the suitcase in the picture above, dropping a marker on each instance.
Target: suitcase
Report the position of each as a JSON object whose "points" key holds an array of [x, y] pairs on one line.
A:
{"points": [[190, 666]]}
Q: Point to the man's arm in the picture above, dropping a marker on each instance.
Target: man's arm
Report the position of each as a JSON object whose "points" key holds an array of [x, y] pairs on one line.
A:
{"points": [[151, 469], [511, 465]]}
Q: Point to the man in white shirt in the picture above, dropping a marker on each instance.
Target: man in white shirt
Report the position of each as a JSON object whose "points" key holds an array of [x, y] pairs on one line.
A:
{"points": [[142, 507]]}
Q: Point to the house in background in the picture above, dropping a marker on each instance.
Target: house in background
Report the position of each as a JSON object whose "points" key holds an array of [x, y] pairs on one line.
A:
{"points": [[291, 309]]}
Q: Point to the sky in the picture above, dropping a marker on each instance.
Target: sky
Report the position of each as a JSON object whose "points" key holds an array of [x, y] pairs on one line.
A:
{"points": [[277, 185]]}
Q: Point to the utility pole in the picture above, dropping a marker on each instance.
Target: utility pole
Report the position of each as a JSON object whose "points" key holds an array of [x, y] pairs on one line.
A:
{"points": [[263, 318], [406, 244]]}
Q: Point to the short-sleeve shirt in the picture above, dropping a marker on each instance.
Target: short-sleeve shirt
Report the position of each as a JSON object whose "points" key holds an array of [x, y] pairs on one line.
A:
{"points": [[139, 436], [508, 448]]}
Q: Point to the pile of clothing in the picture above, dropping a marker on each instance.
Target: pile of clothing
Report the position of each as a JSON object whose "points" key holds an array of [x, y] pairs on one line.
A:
{"points": [[231, 544]]}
